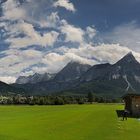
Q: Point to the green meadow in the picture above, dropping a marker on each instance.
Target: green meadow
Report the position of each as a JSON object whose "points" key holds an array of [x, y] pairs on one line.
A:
{"points": [[68, 122]]}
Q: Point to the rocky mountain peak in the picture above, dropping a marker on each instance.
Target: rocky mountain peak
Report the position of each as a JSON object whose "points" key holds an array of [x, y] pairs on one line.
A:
{"points": [[35, 78], [128, 58], [73, 70]]}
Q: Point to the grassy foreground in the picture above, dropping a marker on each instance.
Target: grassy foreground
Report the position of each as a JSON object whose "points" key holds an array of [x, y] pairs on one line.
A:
{"points": [[69, 122]]}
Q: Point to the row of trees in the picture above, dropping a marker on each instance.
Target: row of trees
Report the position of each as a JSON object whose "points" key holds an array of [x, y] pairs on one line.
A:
{"points": [[53, 100], [92, 98], [42, 100]]}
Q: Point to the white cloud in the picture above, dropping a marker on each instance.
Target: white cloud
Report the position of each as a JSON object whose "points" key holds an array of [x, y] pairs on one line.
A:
{"points": [[32, 37], [72, 33], [24, 21], [91, 32], [66, 4], [33, 11], [16, 61], [103, 53], [12, 10], [8, 79], [52, 21], [100, 54]]}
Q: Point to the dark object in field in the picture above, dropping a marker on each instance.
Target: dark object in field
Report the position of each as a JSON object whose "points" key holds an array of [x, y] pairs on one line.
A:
{"points": [[125, 114], [120, 113]]}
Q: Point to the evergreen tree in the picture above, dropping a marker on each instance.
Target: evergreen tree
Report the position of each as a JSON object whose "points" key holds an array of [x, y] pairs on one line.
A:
{"points": [[90, 97]]}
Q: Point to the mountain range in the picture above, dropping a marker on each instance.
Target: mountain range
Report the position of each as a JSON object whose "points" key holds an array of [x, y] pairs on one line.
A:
{"points": [[109, 80], [36, 78]]}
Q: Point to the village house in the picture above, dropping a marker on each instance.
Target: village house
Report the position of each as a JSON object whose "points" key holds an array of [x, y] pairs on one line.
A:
{"points": [[132, 104]]}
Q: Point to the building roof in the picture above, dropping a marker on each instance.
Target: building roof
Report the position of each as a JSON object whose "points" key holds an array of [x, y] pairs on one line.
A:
{"points": [[131, 95]]}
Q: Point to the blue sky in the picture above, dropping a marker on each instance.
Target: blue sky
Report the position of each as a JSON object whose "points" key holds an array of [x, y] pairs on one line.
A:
{"points": [[104, 14], [43, 36]]}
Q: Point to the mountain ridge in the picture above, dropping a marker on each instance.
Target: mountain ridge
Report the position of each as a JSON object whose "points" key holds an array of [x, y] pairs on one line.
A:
{"points": [[35, 78], [102, 79]]}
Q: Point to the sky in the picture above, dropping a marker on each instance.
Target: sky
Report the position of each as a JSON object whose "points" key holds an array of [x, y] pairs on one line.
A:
{"points": [[39, 36]]}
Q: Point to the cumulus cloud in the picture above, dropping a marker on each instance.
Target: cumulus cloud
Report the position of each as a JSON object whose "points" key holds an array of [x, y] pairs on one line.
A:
{"points": [[8, 79], [29, 10], [66, 4], [103, 53], [72, 33], [31, 36], [52, 21], [91, 32], [20, 31], [11, 10], [33, 10], [16, 61]]}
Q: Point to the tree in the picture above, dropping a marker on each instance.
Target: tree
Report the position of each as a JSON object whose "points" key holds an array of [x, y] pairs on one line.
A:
{"points": [[101, 100], [59, 101], [80, 100], [90, 97]]}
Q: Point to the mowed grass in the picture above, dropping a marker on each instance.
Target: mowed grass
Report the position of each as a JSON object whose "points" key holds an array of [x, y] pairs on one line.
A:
{"points": [[69, 122]]}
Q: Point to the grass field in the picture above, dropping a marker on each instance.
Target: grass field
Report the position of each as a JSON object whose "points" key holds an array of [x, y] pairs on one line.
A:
{"points": [[69, 122]]}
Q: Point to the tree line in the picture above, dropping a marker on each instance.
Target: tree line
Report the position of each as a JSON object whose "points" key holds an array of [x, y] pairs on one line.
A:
{"points": [[53, 100]]}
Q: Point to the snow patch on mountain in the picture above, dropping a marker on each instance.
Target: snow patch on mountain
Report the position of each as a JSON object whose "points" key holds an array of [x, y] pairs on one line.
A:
{"points": [[129, 86]]}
